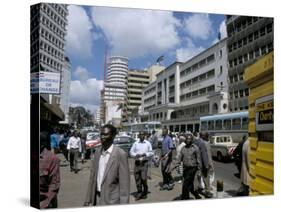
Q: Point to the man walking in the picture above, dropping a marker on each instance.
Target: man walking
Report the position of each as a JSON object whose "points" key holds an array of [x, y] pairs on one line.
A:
{"points": [[49, 172], [190, 157], [110, 178], [142, 152], [166, 161], [54, 140], [208, 168], [74, 147]]}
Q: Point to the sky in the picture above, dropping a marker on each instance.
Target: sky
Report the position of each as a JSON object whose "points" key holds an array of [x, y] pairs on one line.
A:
{"points": [[141, 35]]}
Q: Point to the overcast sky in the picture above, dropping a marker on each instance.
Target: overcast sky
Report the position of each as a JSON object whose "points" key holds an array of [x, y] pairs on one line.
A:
{"points": [[141, 35]]}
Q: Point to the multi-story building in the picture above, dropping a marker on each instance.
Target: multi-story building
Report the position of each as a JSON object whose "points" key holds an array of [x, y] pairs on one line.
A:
{"points": [[137, 81], [115, 89], [248, 39], [161, 97], [65, 89], [184, 91], [203, 88], [47, 38]]}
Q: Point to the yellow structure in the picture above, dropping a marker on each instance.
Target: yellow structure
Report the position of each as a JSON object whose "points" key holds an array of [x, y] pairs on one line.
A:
{"points": [[259, 77]]}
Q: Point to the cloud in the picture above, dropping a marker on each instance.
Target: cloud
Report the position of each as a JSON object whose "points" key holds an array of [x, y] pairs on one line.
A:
{"points": [[198, 26], [136, 33], [85, 92], [222, 31], [189, 51], [81, 73], [79, 39]]}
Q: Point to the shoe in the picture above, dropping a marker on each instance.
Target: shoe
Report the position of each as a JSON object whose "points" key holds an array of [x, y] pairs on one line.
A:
{"points": [[164, 187], [208, 194], [76, 171], [138, 196], [170, 187]]}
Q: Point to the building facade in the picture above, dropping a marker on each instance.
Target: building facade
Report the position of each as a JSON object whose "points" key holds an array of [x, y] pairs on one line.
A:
{"points": [[249, 38], [137, 81], [185, 91]]}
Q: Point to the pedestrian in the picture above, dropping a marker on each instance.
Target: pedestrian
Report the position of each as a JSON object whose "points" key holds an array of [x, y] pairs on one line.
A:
{"points": [[74, 147], [141, 151], [154, 140], [245, 170], [180, 145], [63, 146], [190, 157], [49, 172], [237, 154], [166, 161], [83, 147], [110, 177], [54, 140], [199, 181], [208, 168]]}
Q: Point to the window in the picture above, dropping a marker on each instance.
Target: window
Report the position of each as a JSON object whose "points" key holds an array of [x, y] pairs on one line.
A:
{"points": [[241, 76], [236, 94], [270, 47], [211, 88], [263, 50], [210, 58], [218, 125], [220, 53], [240, 60], [250, 37], [244, 41], [220, 69], [234, 46], [249, 20], [230, 48], [262, 31], [231, 95], [240, 43], [247, 92], [244, 123], [269, 28], [251, 55], [204, 125], [236, 124], [227, 124], [235, 62], [195, 93], [257, 52], [256, 35], [211, 125], [245, 57], [241, 93]]}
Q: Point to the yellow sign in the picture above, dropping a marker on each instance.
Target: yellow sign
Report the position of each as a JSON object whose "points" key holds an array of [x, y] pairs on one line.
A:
{"points": [[264, 106]]}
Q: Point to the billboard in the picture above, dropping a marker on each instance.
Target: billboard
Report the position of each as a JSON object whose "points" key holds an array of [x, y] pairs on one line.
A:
{"points": [[45, 82]]}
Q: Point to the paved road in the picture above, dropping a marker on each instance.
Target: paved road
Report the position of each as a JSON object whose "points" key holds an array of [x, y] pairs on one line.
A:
{"points": [[74, 186]]}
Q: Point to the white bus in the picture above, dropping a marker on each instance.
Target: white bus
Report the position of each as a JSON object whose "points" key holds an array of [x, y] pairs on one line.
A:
{"points": [[234, 124]]}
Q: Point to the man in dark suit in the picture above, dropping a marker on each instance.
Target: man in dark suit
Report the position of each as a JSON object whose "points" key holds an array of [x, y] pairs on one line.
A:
{"points": [[110, 178]]}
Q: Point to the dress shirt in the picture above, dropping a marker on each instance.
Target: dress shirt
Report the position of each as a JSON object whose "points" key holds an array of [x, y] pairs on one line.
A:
{"points": [[105, 155], [190, 156], [167, 144], [74, 143], [140, 148]]}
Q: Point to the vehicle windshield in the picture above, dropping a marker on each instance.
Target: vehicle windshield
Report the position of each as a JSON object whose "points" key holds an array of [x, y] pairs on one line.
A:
{"points": [[121, 140], [92, 136]]}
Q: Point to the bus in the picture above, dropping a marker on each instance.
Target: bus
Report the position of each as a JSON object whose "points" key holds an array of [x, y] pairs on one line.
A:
{"points": [[233, 124]]}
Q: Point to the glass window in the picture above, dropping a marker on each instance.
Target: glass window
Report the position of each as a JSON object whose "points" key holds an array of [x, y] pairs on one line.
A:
{"points": [[204, 125], [211, 125], [245, 123], [218, 125], [236, 124], [241, 93]]}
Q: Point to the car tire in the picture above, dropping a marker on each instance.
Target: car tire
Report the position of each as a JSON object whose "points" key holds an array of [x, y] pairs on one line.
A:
{"points": [[219, 156]]}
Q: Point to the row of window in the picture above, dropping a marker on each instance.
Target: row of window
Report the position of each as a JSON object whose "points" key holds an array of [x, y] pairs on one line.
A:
{"points": [[227, 124], [239, 94], [198, 65], [53, 27], [150, 99], [151, 90], [147, 108], [51, 38], [242, 25], [51, 50], [251, 55], [197, 79], [139, 76], [235, 78], [50, 12], [190, 112], [50, 62], [250, 38], [200, 92]]}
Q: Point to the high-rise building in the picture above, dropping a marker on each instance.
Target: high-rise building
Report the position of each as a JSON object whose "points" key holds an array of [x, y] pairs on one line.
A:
{"points": [[137, 81], [47, 38], [65, 88], [248, 39]]}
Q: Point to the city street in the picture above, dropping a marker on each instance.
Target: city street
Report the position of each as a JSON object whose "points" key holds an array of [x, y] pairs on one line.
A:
{"points": [[74, 186]]}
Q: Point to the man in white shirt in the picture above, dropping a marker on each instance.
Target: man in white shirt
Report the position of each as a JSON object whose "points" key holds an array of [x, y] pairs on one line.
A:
{"points": [[141, 151], [74, 147], [110, 177]]}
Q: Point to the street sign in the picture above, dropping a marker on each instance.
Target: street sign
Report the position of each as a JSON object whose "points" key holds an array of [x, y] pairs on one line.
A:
{"points": [[45, 82], [264, 113]]}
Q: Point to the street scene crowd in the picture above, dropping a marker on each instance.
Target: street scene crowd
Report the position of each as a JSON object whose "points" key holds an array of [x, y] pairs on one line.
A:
{"points": [[189, 154]]}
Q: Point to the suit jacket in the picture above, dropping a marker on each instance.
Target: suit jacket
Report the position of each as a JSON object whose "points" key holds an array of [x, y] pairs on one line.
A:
{"points": [[115, 187]]}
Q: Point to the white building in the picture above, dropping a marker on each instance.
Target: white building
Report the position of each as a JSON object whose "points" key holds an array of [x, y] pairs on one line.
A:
{"points": [[115, 90], [185, 91], [65, 89]]}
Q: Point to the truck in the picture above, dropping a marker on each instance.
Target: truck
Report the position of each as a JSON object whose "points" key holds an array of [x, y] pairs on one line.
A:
{"points": [[222, 147]]}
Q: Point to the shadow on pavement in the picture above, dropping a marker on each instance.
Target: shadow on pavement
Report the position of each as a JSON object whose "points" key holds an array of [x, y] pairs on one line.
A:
{"points": [[232, 193]]}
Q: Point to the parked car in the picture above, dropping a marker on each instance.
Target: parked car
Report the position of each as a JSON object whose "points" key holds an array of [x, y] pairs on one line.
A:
{"points": [[92, 141], [124, 142], [222, 147]]}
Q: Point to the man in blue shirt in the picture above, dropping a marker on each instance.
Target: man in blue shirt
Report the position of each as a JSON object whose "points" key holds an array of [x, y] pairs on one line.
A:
{"points": [[141, 151], [54, 141], [166, 161]]}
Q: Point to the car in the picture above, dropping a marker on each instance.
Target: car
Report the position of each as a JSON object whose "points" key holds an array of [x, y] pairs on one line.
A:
{"points": [[222, 147], [92, 141], [124, 142]]}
